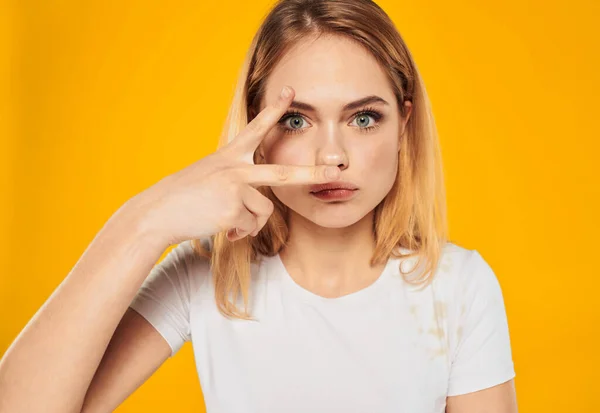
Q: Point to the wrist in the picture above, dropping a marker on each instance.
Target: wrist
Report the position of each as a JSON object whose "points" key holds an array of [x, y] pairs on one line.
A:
{"points": [[136, 215]]}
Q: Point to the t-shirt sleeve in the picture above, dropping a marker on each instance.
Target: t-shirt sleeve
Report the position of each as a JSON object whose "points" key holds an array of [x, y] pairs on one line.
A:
{"points": [[164, 297], [482, 355]]}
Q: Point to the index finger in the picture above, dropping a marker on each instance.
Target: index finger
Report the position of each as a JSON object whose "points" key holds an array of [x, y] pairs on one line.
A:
{"points": [[255, 131], [279, 175]]}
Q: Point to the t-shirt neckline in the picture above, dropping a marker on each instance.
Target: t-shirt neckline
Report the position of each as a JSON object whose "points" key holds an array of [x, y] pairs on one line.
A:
{"points": [[365, 294]]}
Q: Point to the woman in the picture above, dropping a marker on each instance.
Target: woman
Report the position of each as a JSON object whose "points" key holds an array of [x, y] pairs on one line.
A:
{"points": [[300, 290]]}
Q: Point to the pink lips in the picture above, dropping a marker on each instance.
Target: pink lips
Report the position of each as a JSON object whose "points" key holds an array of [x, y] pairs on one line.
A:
{"points": [[333, 185]]}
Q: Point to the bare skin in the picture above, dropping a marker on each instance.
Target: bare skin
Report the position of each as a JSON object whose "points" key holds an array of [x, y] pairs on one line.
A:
{"points": [[85, 350], [330, 244]]}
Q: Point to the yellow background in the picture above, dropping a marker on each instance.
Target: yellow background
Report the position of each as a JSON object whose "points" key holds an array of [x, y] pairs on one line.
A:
{"points": [[101, 99]]}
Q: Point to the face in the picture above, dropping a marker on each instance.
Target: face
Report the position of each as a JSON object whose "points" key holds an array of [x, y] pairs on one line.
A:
{"points": [[328, 74]]}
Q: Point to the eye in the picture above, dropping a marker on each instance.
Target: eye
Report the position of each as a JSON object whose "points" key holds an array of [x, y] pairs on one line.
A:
{"points": [[363, 120], [292, 122], [367, 120], [296, 122]]}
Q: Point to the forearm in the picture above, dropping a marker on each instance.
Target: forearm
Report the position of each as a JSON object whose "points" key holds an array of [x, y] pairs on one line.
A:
{"points": [[51, 363]]}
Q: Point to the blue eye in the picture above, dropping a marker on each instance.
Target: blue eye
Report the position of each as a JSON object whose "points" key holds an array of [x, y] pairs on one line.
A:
{"points": [[368, 119], [364, 123], [364, 119], [296, 122]]}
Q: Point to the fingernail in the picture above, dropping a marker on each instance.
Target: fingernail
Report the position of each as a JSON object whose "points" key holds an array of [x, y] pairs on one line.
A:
{"points": [[332, 172], [285, 92]]}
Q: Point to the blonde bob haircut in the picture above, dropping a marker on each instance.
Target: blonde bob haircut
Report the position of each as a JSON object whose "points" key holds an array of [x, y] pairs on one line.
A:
{"points": [[412, 216]]}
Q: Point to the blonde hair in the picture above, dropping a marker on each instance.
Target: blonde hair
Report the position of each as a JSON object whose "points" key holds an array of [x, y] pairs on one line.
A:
{"points": [[412, 216]]}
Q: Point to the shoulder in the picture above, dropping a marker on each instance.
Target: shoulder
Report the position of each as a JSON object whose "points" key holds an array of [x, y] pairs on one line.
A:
{"points": [[462, 270], [468, 286], [186, 264]]}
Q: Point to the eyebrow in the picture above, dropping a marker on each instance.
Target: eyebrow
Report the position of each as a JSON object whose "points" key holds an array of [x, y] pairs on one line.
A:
{"points": [[352, 105]]}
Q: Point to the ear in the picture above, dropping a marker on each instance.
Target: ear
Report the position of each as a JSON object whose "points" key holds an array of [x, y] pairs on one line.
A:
{"points": [[404, 121], [408, 109], [251, 113]]}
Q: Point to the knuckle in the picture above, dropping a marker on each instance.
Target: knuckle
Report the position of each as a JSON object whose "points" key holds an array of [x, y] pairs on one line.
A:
{"points": [[316, 174], [237, 216], [243, 224], [282, 172], [233, 208], [221, 158], [230, 215], [229, 171], [235, 189], [270, 207], [231, 181], [256, 125], [229, 187]]}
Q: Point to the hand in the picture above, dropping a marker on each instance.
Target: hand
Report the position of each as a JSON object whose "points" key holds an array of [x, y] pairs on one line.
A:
{"points": [[218, 192]]}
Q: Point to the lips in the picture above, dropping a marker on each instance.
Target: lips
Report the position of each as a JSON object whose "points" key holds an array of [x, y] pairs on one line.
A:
{"points": [[333, 185]]}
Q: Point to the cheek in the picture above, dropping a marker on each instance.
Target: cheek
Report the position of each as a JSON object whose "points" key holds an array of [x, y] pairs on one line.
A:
{"points": [[283, 150], [379, 156]]}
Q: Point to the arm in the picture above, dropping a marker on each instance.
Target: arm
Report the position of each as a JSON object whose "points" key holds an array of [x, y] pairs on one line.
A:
{"points": [[134, 353], [498, 399], [51, 363]]}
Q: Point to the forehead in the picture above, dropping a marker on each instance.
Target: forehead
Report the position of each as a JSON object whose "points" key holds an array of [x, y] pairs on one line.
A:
{"points": [[329, 70]]}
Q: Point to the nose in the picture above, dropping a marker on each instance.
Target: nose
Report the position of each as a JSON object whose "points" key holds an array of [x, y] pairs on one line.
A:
{"points": [[331, 151]]}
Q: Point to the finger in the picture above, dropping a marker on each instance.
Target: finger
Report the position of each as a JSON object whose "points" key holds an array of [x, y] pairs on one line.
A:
{"points": [[232, 235], [254, 132], [259, 205], [278, 175], [245, 224]]}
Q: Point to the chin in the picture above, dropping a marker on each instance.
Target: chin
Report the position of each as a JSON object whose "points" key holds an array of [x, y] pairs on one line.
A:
{"points": [[331, 216], [334, 222]]}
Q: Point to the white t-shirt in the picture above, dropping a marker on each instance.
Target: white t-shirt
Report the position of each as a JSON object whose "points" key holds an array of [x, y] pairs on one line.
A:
{"points": [[387, 348]]}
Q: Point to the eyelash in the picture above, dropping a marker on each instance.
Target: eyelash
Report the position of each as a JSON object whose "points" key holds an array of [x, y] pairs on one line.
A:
{"points": [[374, 113]]}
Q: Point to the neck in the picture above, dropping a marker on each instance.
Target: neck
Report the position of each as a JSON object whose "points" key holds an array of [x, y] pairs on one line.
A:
{"points": [[331, 262]]}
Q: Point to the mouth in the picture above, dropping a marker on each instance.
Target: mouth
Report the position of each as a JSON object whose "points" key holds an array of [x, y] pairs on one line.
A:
{"points": [[333, 186], [334, 194]]}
